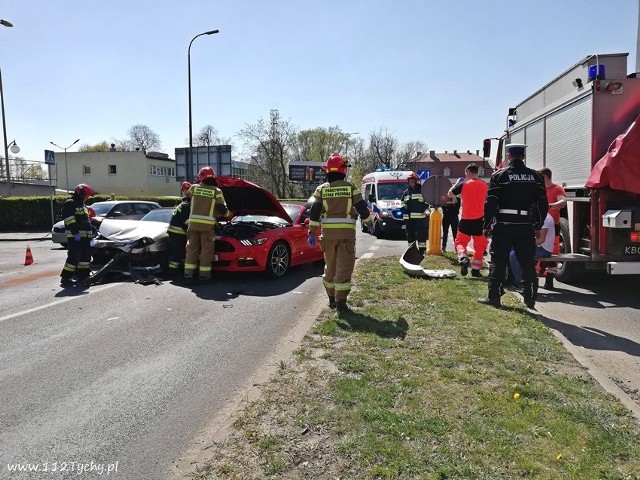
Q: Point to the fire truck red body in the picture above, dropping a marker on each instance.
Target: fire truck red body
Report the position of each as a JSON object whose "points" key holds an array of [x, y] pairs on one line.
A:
{"points": [[584, 126]]}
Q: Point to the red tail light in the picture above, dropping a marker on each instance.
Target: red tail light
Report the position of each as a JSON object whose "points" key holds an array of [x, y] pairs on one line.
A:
{"points": [[634, 237]]}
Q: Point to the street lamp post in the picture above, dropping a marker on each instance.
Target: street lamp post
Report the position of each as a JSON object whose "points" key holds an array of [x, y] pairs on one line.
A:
{"points": [[189, 159], [66, 168], [6, 23]]}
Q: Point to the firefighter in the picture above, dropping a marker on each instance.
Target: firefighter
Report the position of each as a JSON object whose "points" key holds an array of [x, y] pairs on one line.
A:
{"points": [[177, 231], [78, 229], [335, 204], [414, 213], [473, 192], [517, 203], [207, 203]]}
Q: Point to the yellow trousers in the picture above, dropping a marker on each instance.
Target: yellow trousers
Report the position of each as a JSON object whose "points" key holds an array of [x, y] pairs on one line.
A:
{"points": [[200, 250], [339, 260]]}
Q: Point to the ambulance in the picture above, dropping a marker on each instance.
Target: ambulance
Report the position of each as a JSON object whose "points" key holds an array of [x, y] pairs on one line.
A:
{"points": [[382, 190]]}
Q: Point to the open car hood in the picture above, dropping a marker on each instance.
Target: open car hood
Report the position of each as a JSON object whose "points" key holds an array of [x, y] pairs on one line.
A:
{"points": [[129, 230], [246, 198]]}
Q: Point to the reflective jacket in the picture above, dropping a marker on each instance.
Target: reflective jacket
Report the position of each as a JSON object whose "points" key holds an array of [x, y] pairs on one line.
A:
{"points": [[516, 196], [207, 203], [180, 217], [76, 218], [336, 206], [413, 204]]}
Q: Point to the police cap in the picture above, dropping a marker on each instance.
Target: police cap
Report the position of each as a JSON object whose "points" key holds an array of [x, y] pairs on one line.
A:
{"points": [[516, 148]]}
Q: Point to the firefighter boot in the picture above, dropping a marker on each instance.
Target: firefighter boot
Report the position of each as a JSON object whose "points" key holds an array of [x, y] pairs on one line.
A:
{"points": [[341, 306], [332, 303], [67, 282], [548, 282]]}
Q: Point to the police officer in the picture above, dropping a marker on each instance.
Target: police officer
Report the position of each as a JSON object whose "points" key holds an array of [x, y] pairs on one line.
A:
{"points": [[337, 201], [177, 231], [413, 213], [517, 203], [207, 203], [78, 230]]}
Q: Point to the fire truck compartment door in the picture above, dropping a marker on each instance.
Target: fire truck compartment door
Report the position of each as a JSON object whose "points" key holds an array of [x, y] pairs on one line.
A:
{"points": [[617, 219]]}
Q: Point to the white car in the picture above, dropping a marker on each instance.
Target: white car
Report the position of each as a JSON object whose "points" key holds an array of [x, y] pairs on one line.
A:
{"points": [[120, 209]]}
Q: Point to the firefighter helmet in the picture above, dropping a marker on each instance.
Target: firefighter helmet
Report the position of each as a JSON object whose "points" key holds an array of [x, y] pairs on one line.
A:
{"points": [[184, 186], [336, 164], [206, 172], [83, 191], [413, 176]]}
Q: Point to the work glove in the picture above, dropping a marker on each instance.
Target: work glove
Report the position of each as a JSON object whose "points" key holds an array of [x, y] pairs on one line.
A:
{"points": [[311, 240], [76, 237]]}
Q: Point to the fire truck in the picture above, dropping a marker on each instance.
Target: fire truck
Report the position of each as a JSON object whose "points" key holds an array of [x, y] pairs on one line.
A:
{"points": [[584, 126]]}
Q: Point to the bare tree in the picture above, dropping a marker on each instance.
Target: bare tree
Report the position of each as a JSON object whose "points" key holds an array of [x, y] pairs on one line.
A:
{"points": [[405, 158], [382, 148], [273, 144], [207, 136], [143, 138]]}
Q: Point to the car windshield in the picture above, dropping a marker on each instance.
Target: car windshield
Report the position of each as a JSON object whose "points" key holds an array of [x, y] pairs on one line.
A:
{"points": [[391, 191], [293, 211], [259, 219], [158, 215], [102, 208]]}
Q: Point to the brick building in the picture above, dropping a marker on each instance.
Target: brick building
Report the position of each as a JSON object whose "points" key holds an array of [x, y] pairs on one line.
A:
{"points": [[450, 164]]}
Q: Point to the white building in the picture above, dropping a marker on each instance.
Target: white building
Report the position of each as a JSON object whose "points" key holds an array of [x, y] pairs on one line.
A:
{"points": [[122, 173]]}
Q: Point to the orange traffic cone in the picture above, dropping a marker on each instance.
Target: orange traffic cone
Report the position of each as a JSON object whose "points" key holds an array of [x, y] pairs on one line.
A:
{"points": [[28, 259]]}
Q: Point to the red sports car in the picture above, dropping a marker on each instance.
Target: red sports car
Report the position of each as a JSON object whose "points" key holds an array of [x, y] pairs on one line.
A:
{"points": [[264, 234]]}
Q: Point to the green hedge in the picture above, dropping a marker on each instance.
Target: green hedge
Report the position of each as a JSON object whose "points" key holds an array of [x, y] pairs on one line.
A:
{"points": [[24, 214]]}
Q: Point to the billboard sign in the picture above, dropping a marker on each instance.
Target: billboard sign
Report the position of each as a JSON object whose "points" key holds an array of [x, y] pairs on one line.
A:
{"points": [[307, 172]]}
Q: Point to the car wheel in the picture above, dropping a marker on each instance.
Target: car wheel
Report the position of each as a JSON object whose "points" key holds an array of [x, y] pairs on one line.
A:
{"points": [[278, 260]]}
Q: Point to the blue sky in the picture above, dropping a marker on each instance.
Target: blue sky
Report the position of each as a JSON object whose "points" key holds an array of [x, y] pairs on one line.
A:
{"points": [[442, 72]]}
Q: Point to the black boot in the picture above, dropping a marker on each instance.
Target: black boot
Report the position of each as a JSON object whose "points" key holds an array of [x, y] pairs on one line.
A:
{"points": [[493, 302], [548, 282], [464, 266], [67, 282]]}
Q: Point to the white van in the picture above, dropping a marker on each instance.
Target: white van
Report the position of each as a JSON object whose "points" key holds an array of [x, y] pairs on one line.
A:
{"points": [[383, 193]]}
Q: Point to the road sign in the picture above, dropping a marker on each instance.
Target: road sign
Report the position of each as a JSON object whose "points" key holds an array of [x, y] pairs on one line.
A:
{"points": [[424, 174], [49, 157]]}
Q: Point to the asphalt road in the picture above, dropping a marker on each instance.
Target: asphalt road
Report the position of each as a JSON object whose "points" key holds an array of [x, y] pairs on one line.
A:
{"points": [[134, 377], [143, 378]]}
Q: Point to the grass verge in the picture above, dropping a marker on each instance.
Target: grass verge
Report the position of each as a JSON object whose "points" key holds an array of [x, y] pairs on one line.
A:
{"points": [[419, 381]]}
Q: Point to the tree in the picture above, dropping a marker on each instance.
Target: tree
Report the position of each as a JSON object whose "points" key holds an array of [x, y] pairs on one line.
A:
{"points": [[382, 148], [142, 138], [405, 158], [273, 143], [207, 136], [102, 146], [315, 145]]}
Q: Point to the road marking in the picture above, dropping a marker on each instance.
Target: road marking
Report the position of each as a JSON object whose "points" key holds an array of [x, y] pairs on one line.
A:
{"points": [[57, 302], [374, 247], [367, 255]]}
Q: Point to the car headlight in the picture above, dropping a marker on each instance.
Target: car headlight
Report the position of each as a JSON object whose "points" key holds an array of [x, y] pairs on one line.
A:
{"points": [[253, 241], [386, 213]]}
